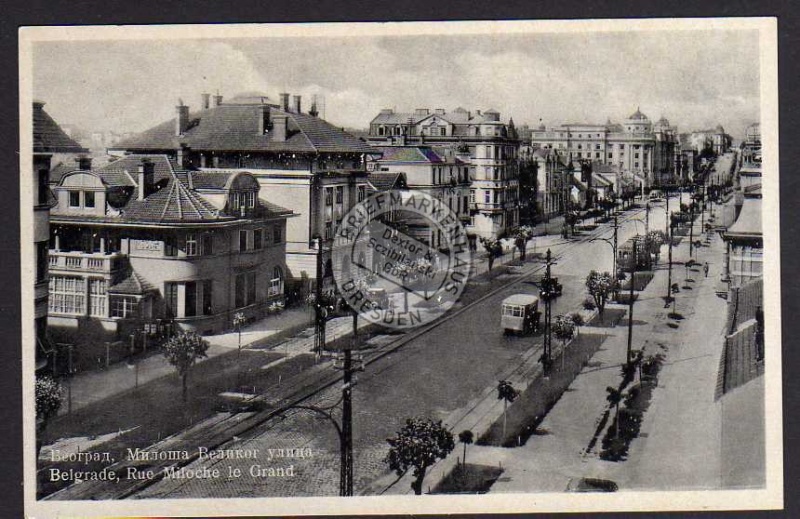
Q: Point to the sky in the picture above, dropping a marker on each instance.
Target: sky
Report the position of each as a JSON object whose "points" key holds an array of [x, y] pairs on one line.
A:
{"points": [[695, 78]]}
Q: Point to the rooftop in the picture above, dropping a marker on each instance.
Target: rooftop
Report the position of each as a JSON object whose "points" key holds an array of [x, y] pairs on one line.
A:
{"points": [[233, 126], [48, 137]]}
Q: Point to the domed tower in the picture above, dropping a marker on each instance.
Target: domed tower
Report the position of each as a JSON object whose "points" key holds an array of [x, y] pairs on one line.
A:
{"points": [[637, 122]]}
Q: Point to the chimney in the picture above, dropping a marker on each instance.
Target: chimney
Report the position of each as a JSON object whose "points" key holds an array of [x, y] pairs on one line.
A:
{"points": [[146, 174], [262, 112], [182, 119], [84, 163], [296, 102], [279, 127], [183, 154], [217, 99], [206, 104], [285, 101]]}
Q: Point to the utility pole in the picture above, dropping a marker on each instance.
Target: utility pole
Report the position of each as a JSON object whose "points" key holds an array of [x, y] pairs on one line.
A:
{"points": [[630, 303], [616, 226], [548, 339], [346, 435], [691, 227], [320, 311]]}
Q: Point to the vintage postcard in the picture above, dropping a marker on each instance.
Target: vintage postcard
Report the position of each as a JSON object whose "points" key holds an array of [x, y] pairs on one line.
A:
{"points": [[447, 267]]}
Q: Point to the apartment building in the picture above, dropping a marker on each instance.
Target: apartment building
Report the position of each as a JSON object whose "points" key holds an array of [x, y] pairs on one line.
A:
{"points": [[487, 147]]}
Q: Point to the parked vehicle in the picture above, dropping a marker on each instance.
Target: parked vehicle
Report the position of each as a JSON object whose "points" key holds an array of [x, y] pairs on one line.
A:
{"points": [[520, 313]]}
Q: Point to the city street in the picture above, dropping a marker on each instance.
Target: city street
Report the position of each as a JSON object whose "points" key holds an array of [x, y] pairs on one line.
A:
{"points": [[440, 374]]}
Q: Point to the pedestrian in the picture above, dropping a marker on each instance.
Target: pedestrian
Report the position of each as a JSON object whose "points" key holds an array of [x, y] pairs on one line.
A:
{"points": [[705, 268]]}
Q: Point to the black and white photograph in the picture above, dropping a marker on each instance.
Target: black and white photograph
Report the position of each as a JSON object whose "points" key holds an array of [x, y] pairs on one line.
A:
{"points": [[411, 267]]}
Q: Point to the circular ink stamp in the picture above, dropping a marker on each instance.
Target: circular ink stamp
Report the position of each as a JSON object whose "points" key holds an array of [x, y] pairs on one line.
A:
{"points": [[385, 265]]}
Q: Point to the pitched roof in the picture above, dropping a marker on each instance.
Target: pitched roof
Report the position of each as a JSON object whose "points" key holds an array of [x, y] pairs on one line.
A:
{"points": [[386, 180], [48, 137], [123, 172], [408, 154], [173, 203], [748, 224], [234, 127], [174, 200], [134, 284], [457, 116]]}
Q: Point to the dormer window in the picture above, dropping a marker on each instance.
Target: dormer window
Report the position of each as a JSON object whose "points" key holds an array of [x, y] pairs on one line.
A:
{"points": [[242, 201]]}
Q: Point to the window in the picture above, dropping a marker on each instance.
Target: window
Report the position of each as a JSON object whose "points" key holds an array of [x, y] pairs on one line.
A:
{"points": [[610, 155], [88, 198], [74, 198], [622, 146], [171, 298], [67, 295], [597, 146], [245, 289], [124, 306], [170, 246], [276, 283], [207, 297], [339, 194], [487, 197], [328, 196], [191, 245], [44, 188], [597, 155], [472, 196], [362, 193], [328, 230], [636, 165], [635, 155], [276, 234], [98, 300], [190, 300], [41, 261], [208, 244], [242, 240], [580, 146], [257, 239]]}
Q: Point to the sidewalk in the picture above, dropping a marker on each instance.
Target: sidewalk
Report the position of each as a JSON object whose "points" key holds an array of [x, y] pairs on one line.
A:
{"points": [[91, 386], [678, 444]]}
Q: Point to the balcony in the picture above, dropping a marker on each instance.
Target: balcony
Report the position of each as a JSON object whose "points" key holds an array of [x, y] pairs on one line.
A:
{"points": [[85, 262]]}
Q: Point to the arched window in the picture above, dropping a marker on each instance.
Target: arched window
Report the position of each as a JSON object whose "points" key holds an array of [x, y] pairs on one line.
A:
{"points": [[276, 283]]}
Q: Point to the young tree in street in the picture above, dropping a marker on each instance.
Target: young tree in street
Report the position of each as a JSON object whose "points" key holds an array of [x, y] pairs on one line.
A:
{"points": [[521, 236], [563, 329], [49, 396], [614, 398], [506, 393], [600, 287], [494, 249], [182, 351], [465, 437], [418, 445]]}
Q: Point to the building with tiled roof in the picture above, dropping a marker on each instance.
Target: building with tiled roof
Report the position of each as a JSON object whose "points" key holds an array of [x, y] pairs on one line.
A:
{"points": [[440, 172], [143, 240], [637, 146], [299, 160], [50, 143], [487, 147]]}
